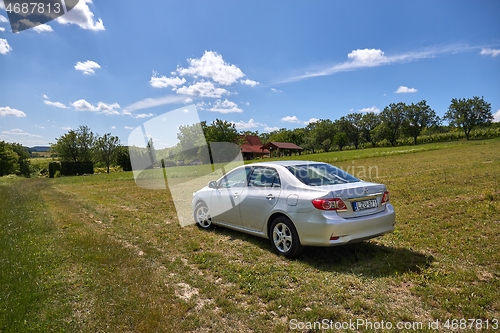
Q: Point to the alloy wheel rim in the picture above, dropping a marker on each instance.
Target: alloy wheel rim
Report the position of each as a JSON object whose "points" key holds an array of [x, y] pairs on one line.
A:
{"points": [[282, 237], [203, 216]]}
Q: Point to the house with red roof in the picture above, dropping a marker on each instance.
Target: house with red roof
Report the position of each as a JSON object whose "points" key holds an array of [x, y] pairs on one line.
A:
{"points": [[281, 148], [251, 147]]}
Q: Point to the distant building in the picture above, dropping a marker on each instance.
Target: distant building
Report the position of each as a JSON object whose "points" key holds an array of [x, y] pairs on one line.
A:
{"points": [[251, 147], [281, 148]]}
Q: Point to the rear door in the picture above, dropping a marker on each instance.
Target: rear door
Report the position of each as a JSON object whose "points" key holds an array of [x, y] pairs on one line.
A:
{"points": [[263, 192]]}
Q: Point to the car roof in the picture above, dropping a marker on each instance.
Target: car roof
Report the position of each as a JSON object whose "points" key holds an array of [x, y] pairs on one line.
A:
{"points": [[285, 163]]}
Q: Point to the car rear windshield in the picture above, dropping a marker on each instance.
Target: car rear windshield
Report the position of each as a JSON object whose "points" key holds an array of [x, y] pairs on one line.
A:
{"points": [[321, 174]]}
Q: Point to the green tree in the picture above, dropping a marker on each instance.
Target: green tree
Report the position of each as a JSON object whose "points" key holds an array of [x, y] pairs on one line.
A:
{"points": [[220, 131], [14, 159], [351, 125], [392, 118], [340, 139], [123, 158], [8, 160], [66, 146], [76, 145], [322, 134], [106, 149], [369, 122], [469, 113], [418, 117], [86, 140]]}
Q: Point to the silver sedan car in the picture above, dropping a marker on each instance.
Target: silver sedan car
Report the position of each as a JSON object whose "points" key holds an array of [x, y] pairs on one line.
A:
{"points": [[295, 204]]}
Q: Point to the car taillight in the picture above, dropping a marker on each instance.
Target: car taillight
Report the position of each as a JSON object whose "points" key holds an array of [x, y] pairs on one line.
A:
{"points": [[385, 198], [329, 204]]}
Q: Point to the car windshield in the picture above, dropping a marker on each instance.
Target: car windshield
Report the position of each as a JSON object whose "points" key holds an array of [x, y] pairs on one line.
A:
{"points": [[321, 174]]}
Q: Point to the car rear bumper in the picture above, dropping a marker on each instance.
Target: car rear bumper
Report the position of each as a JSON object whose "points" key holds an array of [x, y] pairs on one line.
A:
{"points": [[318, 227]]}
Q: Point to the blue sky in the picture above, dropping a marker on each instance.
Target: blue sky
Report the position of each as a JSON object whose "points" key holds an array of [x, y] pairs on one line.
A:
{"points": [[263, 65]]}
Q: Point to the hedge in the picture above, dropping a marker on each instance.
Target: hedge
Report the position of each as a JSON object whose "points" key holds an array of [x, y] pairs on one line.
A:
{"points": [[76, 168]]}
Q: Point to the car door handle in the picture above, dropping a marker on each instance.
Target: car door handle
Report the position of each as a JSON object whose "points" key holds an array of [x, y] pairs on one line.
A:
{"points": [[236, 195], [269, 197]]}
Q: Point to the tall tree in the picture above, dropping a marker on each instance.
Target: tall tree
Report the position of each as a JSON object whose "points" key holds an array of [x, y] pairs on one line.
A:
{"points": [[392, 118], [323, 133], [351, 125], [469, 113], [76, 145], [369, 122], [106, 148], [418, 117], [221, 131], [85, 142]]}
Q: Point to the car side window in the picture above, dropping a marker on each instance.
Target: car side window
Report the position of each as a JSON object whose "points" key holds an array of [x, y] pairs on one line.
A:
{"points": [[237, 178], [264, 177]]}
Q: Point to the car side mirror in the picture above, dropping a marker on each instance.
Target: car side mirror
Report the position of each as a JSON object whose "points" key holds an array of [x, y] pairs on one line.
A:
{"points": [[212, 184]]}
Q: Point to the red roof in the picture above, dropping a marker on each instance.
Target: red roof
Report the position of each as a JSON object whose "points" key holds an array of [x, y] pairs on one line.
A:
{"points": [[252, 144], [282, 145]]}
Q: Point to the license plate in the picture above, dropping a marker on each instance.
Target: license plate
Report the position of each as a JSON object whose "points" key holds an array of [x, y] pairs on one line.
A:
{"points": [[366, 204]]}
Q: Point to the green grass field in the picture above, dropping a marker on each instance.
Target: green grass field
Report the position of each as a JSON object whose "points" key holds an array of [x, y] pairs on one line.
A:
{"points": [[99, 254]]}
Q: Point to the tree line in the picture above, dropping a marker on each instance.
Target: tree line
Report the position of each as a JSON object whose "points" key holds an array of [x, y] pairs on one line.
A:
{"points": [[83, 145], [396, 121]]}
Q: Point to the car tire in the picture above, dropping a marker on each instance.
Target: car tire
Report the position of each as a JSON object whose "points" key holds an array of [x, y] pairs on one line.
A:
{"points": [[202, 216], [284, 238]]}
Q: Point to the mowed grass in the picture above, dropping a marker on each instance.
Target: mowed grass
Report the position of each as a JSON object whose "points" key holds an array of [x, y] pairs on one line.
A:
{"points": [[99, 254]]}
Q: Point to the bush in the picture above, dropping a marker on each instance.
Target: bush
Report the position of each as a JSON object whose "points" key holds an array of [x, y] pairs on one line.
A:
{"points": [[53, 168]]}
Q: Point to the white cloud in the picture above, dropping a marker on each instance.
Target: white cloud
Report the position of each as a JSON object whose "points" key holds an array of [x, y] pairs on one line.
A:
{"points": [[7, 111], [42, 127], [163, 81], [66, 128], [82, 16], [491, 52], [56, 104], [4, 46], [43, 28], [188, 100], [290, 119], [87, 67], [113, 127], [242, 125], [212, 66], [202, 89], [109, 109], [153, 102], [19, 132], [83, 105], [3, 19], [311, 120], [2, 29], [143, 115], [405, 90], [271, 129], [225, 107], [371, 109], [367, 57], [364, 58], [276, 90], [45, 96], [128, 127], [496, 117], [250, 83]]}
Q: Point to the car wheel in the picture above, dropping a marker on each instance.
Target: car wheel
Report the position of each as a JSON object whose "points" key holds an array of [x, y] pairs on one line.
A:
{"points": [[202, 216], [284, 238]]}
